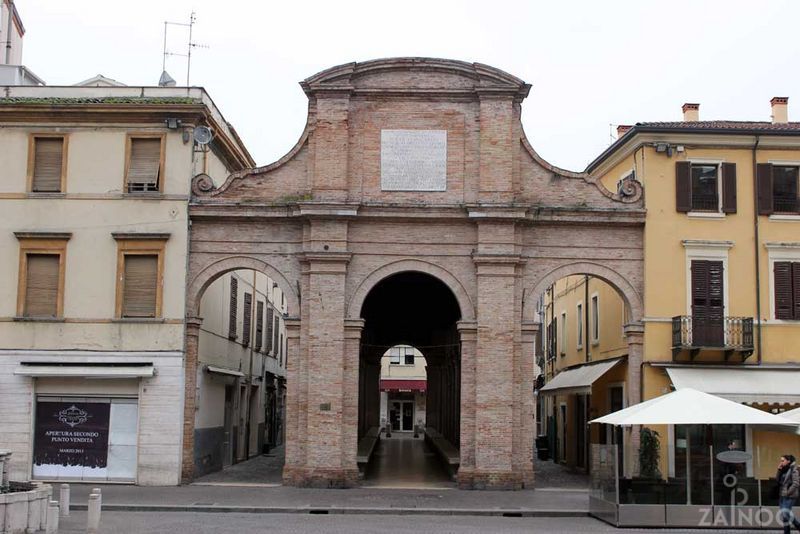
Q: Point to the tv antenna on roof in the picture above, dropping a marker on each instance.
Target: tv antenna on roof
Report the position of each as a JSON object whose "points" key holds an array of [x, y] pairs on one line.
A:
{"points": [[189, 46]]}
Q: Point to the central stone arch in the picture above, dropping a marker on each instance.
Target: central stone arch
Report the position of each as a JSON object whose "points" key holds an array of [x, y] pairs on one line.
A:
{"points": [[414, 265]]}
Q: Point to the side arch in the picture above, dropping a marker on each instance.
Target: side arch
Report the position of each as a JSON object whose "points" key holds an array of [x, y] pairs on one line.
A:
{"points": [[631, 296], [200, 282], [445, 276]]}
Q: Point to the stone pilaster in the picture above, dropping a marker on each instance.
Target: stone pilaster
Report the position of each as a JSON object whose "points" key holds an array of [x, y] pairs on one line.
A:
{"points": [[496, 148], [468, 331], [524, 407], [331, 137], [190, 396], [350, 389], [634, 336], [293, 445]]}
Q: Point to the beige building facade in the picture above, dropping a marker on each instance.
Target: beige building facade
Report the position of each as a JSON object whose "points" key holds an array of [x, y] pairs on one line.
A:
{"points": [[403, 385], [94, 242]]}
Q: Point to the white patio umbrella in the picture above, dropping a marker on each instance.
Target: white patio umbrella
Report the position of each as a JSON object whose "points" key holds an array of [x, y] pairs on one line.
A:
{"points": [[691, 407], [793, 415]]}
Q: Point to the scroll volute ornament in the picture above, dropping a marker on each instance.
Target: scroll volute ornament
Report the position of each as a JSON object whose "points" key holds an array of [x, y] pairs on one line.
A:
{"points": [[202, 184]]}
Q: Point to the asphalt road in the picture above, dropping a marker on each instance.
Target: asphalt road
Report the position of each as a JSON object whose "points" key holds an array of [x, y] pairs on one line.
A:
{"points": [[199, 523]]}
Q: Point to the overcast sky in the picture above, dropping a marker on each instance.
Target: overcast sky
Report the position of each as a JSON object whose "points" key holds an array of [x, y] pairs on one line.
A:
{"points": [[591, 63]]}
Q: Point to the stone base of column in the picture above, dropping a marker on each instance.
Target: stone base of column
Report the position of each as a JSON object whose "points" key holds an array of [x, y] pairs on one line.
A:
{"points": [[309, 477], [484, 479]]}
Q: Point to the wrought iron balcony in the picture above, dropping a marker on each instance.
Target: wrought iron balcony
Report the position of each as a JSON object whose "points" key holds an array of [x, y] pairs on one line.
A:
{"points": [[727, 334]]}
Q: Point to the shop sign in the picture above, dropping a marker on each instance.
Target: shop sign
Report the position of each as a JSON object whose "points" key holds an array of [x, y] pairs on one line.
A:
{"points": [[71, 434]]}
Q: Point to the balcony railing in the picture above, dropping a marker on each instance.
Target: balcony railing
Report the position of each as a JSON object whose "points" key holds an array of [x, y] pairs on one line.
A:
{"points": [[727, 334]]}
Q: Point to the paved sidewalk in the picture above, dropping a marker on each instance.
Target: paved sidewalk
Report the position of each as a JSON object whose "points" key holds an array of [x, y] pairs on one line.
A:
{"points": [[193, 498], [262, 470], [552, 475]]}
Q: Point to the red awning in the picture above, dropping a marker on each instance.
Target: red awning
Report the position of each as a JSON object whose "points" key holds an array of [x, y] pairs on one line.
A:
{"points": [[404, 385]]}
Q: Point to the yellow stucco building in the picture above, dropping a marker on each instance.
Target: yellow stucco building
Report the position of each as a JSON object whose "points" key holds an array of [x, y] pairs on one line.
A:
{"points": [[721, 292]]}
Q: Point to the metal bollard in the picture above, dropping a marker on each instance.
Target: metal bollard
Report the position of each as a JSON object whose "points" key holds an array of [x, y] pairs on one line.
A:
{"points": [[63, 500], [52, 517], [99, 493], [93, 514]]}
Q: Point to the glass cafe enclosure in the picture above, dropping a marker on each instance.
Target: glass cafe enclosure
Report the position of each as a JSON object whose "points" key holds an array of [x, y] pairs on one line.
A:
{"points": [[711, 482]]}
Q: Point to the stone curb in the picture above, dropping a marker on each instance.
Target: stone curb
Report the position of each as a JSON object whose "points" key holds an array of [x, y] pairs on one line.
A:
{"points": [[323, 510]]}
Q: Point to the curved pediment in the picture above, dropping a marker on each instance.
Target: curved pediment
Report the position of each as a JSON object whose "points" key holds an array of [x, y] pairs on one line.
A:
{"points": [[415, 75]]}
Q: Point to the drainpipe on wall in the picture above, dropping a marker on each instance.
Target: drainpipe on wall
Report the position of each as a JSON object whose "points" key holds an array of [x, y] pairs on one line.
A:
{"points": [[757, 251], [10, 8]]}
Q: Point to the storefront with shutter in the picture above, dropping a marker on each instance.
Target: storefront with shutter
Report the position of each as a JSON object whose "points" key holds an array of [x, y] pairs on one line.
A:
{"points": [[99, 417]]}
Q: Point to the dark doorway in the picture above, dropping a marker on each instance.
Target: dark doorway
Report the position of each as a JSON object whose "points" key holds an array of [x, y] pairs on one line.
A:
{"points": [[418, 310]]}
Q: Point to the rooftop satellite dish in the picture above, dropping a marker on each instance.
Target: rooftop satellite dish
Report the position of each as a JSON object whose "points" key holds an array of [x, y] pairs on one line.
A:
{"points": [[203, 135]]}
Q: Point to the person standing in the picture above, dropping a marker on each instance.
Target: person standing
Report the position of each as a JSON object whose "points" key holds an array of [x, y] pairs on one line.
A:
{"points": [[789, 485]]}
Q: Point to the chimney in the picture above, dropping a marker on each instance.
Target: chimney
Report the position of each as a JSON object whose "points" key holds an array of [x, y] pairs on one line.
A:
{"points": [[780, 109], [622, 129], [691, 112]]}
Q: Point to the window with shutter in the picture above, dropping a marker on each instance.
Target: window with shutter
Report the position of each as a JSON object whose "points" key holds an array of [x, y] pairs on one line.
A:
{"points": [[785, 189], [270, 313], [729, 188], [40, 280], [259, 341], [707, 304], [784, 292], [796, 289], [140, 267], [232, 306], [705, 188], [140, 285], [683, 187], [276, 331], [41, 291], [764, 187], [247, 318], [144, 165], [48, 164]]}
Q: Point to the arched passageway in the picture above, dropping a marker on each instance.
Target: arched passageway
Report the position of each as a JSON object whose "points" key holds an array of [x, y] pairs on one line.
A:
{"points": [[417, 310], [237, 355]]}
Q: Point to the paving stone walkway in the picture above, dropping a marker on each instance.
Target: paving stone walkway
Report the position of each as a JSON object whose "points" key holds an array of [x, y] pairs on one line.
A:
{"points": [[548, 474], [265, 469]]}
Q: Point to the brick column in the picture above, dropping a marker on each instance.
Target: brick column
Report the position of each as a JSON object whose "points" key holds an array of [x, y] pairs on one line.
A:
{"points": [[190, 396], [325, 373], [292, 443], [350, 389], [468, 331], [634, 336], [525, 409], [495, 376]]}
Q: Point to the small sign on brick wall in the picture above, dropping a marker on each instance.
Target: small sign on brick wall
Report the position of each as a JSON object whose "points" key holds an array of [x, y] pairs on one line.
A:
{"points": [[414, 160]]}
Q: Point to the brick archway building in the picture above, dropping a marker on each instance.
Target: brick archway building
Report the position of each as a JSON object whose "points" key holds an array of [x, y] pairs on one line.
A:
{"points": [[413, 165]]}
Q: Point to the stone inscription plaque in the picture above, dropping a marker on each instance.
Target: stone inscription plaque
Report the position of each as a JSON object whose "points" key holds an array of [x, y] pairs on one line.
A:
{"points": [[414, 160]]}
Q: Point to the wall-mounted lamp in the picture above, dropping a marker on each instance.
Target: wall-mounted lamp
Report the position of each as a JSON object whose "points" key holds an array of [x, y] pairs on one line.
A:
{"points": [[664, 148]]}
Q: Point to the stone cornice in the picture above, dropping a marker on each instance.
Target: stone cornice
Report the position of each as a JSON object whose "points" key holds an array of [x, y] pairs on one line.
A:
{"points": [[486, 80], [325, 257], [44, 235], [498, 259], [143, 236]]}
